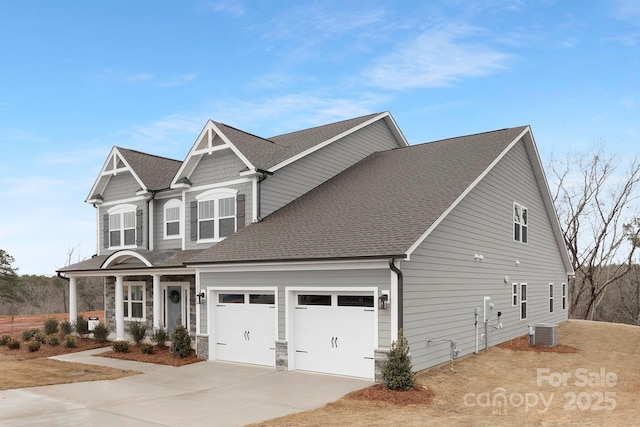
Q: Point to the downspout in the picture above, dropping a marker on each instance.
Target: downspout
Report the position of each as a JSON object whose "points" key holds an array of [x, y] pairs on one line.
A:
{"points": [[398, 272], [264, 176], [150, 218]]}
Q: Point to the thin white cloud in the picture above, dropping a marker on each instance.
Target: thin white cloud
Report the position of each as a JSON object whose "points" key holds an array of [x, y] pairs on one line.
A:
{"points": [[436, 58], [179, 80], [230, 7]]}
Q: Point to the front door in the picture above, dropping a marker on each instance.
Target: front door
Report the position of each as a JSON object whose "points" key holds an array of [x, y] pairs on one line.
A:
{"points": [[174, 304]]}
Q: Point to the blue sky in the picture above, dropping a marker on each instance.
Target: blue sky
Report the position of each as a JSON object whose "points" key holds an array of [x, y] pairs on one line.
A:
{"points": [[77, 78]]}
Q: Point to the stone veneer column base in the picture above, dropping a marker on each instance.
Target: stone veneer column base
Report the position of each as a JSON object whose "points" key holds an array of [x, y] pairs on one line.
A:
{"points": [[380, 355], [282, 355], [202, 347]]}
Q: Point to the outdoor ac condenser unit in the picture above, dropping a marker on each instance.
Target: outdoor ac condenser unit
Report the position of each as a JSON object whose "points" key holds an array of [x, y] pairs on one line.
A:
{"points": [[545, 334]]}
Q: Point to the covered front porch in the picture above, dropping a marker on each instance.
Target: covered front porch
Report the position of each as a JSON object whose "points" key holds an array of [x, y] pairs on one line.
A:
{"points": [[140, 286]]}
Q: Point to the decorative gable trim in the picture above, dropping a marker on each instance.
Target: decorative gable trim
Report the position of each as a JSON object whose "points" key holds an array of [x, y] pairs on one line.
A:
{"points": [[121, 256], [210, 140], [115, 164], [387, 118]]}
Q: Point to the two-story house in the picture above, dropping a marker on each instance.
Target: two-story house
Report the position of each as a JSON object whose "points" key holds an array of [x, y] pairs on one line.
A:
{"points": [[311, 250]]}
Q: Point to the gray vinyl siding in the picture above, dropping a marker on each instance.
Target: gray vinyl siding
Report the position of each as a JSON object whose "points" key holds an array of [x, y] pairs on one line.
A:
{"points": [[244, 188], [443, 283], [299, 177], [120, 186], [219, 166], [102, 210], [284, 279]]}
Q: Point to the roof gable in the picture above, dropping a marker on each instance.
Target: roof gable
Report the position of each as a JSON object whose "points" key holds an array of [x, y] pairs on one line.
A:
{"points": [[151, 172], [379, 207]]}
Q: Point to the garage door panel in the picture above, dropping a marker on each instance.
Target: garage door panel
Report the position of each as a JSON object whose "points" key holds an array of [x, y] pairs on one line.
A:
{"points": [[335, 339], [245, 332]]}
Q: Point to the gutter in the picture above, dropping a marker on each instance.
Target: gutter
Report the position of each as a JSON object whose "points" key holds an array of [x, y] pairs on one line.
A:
{"points": [[398, 272], [264, 176]]}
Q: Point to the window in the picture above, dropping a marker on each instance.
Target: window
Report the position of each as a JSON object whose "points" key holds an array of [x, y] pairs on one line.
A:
{"points": [[355, 301], [564, 296], [123, 226], [550, 297], [172, 219], [520, 223], [514, 294], [314, 299], [523, 301], [216, 214], [133, 301], [231, 298]]}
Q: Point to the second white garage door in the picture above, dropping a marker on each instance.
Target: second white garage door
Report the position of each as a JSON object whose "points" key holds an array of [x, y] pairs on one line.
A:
{"points": [[245, 328], [335, 333]]}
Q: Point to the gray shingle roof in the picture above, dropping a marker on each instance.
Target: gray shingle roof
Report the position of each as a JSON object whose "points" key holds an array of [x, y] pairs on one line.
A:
{"points": [[155, 172], [376, 208], [170, 258]]}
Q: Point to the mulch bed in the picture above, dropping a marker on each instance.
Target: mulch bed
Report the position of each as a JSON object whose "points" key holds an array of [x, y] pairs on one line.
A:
{"points": [[161, 355], [419, 395], [522, 344], [50, 350]]}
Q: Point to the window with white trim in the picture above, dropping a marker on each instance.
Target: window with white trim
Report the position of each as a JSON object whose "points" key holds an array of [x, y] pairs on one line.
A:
{"points": [[520, 223], [216, 214], [122, 226], [172, 216], [550, 297], [523, 301], [514, 295], [564, 296], [133, 301]]}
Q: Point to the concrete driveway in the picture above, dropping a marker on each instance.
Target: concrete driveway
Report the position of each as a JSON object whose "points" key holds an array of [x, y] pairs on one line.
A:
{"points": [[201, 394]]}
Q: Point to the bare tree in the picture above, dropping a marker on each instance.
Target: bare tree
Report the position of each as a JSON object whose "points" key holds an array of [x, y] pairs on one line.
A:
{"points": [[598, 210]]}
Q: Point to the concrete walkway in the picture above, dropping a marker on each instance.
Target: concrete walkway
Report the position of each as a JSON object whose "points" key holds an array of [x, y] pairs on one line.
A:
{"points": [[200, 394]]}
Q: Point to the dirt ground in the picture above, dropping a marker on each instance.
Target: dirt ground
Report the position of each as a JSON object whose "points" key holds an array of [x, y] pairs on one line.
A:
{"points": [[594, 381], [14, 325]]}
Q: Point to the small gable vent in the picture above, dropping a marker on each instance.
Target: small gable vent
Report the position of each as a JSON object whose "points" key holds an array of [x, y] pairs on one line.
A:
{"points": [[545, 334]]}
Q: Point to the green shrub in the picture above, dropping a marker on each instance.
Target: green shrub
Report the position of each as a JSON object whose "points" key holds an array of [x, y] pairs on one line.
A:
{"points": [[121, 346], [70, 341], [100, 332], [13, 344], [66, 327], [396, 370], [27, 334], [39, 337], [82, 326], [52, 339], [159, 337], [51, 326], [33, 346], [146, 348], [4, 340], [138, 331], [180, 341]]}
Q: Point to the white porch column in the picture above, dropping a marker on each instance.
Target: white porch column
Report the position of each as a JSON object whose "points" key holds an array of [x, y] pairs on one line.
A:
{"points": [[157, 301], [119, 308], [73, 300]]}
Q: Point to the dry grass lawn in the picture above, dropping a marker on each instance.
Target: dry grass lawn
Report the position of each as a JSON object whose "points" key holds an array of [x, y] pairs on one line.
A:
{"points": [[596, 386], [20, 373]]}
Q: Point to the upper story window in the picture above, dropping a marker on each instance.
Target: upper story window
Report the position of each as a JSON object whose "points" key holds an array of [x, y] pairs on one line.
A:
{"points": [[124, 225], [520, 223], [172, 214], [216, 214]]}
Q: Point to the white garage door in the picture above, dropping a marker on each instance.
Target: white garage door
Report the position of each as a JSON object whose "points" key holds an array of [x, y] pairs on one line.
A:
{"points": [[335, 333], [245, 327]]}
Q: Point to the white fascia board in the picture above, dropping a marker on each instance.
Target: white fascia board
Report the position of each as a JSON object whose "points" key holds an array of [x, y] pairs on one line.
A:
{"points": [[480, 177], [175, 271], [237, 152], [543, 185], [218, 185], [395, 129], [328, 141], [121, 201], [295, 266]]}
